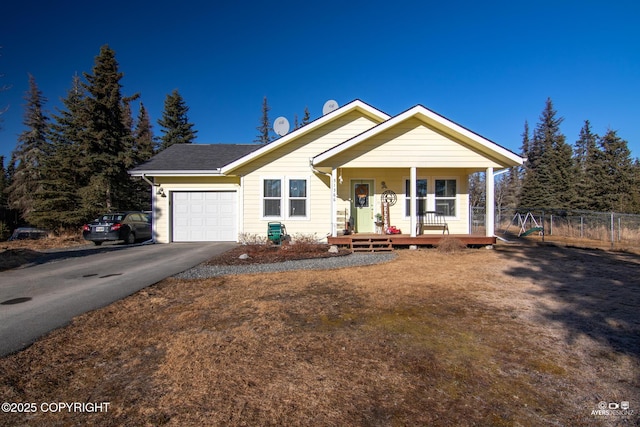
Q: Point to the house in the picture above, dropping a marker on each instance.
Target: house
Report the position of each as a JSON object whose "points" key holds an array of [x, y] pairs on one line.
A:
{"points": [[333, 173]]}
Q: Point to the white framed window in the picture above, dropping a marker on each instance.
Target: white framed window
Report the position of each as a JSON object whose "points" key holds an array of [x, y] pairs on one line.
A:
{"points": [[421, 196], [285, 198], [272, 198], [445, 196], [298, 198]]}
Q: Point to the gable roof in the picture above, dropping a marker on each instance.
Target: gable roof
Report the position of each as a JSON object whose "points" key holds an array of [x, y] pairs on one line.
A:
{"points": [[439, 123], [193, 159], [355, 105]]}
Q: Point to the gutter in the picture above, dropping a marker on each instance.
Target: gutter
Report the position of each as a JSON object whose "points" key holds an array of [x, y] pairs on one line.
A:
{"points": [[316, 170]]}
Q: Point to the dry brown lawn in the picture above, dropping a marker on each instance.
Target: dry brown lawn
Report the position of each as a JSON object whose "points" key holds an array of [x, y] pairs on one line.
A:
{"points": [[517, 336]]}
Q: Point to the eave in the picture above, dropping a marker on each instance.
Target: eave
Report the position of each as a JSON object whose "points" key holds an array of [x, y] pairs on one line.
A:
{"points": [[345, 109], [436, 121]]}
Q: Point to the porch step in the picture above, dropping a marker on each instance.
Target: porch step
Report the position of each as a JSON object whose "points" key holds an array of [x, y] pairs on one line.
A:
{"points": [[371, 244]]}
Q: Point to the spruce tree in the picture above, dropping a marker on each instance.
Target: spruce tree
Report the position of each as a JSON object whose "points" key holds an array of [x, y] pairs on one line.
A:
{"points": [[107, 141], [264, 130], [174, 123], [549, 174], [144, 145], [586, 157], [143, 150], [306, 119], [62, 172], [615, 174], [32, 149]]}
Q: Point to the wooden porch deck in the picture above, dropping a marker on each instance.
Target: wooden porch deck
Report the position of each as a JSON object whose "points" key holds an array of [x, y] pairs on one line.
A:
{"points": [[387, 242]]}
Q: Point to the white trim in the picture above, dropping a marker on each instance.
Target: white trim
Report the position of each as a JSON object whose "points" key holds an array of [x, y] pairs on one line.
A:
{"points": [[456, 198], [352, 106], [489, 203], [412, 199], [433, 119], [407, 215], [284, 198], [212, 172], [262, 198]]}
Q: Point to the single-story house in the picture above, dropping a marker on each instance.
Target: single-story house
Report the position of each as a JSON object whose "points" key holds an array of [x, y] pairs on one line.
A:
{"points": [[329, 175]]}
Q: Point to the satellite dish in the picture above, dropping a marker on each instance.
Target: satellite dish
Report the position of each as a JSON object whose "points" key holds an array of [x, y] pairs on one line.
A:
{"points": [[281, 126], [329, 106]]}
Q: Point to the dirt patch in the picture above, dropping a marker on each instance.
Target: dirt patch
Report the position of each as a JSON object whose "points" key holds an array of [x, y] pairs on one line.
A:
{"points": [[514, 336], [266, 254], [21, 252]]}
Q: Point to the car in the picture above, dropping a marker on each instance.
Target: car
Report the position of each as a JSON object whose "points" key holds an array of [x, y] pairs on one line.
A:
{"points": [[127, 226], [24, 233]]}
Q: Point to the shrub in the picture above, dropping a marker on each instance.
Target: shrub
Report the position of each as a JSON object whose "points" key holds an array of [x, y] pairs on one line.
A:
{"points": [[450, 245]]}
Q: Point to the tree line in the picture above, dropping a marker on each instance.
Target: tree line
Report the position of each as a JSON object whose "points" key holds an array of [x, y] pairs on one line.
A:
{"points": [[70, 166], [597, 173]]}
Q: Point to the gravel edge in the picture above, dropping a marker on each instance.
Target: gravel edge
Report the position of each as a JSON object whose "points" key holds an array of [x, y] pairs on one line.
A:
{"points": [[203, 271]]}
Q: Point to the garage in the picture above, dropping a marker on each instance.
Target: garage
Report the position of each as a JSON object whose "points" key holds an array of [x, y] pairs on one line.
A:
{"points": [[205, 216]]}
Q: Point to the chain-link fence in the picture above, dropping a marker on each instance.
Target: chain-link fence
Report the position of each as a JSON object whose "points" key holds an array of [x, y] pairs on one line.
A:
{"points": [[611, 227]]}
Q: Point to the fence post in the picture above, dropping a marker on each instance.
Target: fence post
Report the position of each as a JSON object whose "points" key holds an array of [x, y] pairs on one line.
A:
{"points": [[612, 232], [581, 226], [551, 225]]}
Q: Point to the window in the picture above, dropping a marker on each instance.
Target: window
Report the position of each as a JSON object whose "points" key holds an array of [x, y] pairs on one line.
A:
{"points": [[421, 196], [297, 197], [446, 196], [272, 197]]}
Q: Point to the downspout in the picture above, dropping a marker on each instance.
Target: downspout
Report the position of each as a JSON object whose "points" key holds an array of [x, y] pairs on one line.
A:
{"points": [[153, 211]]}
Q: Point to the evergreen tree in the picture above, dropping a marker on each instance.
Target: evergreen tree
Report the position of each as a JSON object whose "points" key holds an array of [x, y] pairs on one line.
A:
{"points": [[586, 156], [33, 147], [615, 174], [306, 119], [296, 125], [264, 130], [549, 174], [174, 122], [62, 173], [144, 149], [144, 146], [107, 140], [635, 192]]}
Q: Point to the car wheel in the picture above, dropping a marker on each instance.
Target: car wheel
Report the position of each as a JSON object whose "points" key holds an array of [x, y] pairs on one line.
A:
{"points": [[97, 243], [131, 238]]}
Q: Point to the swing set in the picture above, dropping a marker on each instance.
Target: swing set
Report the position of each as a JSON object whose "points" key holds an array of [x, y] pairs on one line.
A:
{"points": [[528, 224]]}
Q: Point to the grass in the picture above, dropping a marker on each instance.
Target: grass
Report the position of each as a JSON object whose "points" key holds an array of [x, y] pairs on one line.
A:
{"points": [[432, 338]]}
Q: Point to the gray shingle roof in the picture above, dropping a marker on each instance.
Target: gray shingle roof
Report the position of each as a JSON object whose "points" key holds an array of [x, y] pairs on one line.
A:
{"points": [[196, 157]]}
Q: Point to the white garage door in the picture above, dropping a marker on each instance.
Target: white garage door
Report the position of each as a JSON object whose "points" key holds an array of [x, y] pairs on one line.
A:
{"points": [[205, 216]]}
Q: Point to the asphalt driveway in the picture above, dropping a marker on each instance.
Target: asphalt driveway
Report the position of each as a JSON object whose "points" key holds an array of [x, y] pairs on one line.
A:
{"points": [[37, 299]]}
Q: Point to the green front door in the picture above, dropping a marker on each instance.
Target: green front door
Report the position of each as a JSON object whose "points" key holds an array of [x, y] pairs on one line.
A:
{"points": [[362, 205]]}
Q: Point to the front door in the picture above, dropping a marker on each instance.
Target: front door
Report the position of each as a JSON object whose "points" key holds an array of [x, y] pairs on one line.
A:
{"points": [[362, 205]]}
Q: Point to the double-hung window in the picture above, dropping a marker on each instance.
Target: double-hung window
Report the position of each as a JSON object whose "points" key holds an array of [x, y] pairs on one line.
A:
{"points": [[272, 198], [297, 198], [421, 196], [285, 198], [446, 196]]}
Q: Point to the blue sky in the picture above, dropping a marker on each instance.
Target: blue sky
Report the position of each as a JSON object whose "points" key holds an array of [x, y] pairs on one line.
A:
{"points": [[488, 66]]}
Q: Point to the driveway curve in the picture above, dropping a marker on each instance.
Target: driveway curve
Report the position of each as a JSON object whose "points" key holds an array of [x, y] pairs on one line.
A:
{"points": [[39, 298]]}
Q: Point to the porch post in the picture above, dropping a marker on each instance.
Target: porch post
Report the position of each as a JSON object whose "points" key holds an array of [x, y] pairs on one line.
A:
{"points": [[490, 204], [334, 192], [412, 200]]}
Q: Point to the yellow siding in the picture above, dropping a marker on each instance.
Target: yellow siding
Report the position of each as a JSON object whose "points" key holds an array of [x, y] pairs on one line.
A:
{"points": [[412, 143], [292, 161]]}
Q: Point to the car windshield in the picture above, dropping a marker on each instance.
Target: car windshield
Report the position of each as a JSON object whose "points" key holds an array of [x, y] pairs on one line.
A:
{"points": [[110, 218]]}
